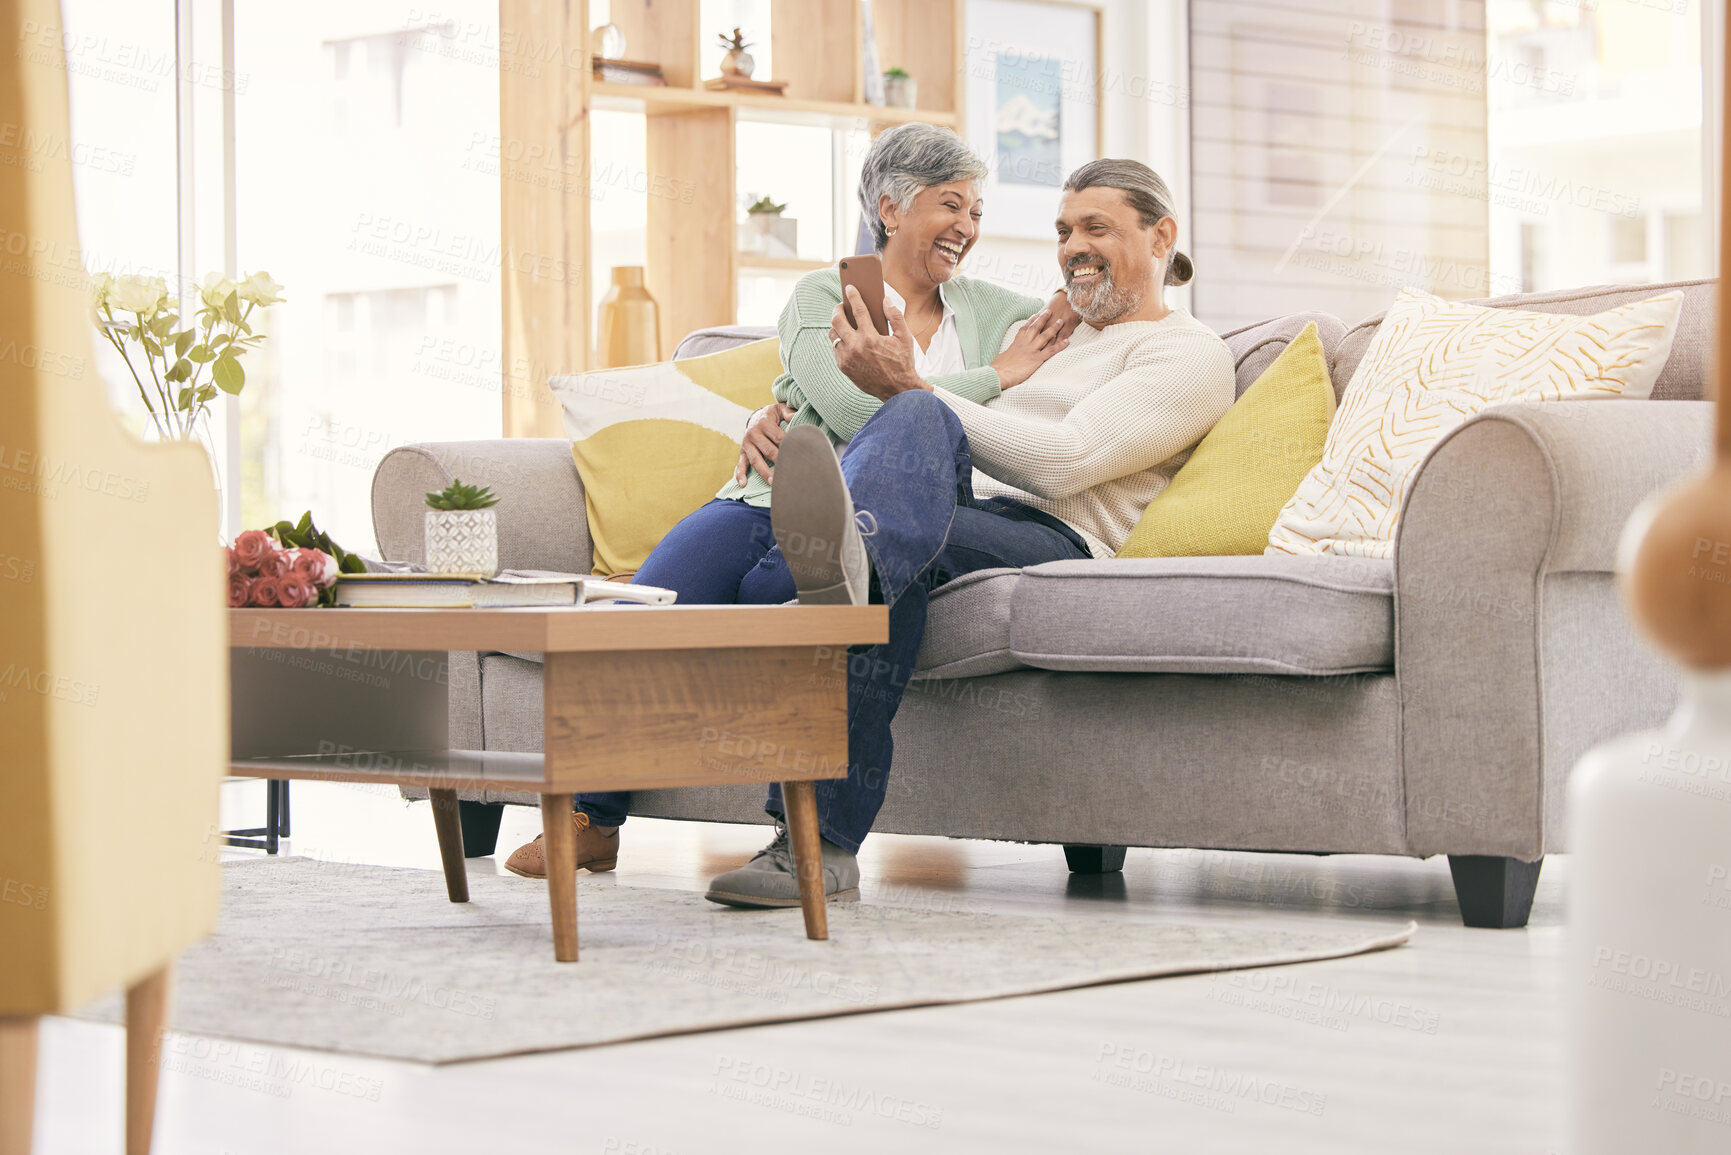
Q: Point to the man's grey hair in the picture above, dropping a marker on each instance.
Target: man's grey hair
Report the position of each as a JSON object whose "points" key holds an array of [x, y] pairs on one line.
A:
{"points": [[906, 159], [1147, 194]]}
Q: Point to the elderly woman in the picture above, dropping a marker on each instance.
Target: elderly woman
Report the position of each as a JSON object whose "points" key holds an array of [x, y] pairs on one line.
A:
{"points": [[919, 193]]}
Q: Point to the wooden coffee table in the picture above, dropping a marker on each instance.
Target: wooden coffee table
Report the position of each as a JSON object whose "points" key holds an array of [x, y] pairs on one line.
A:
{"points": [[633, 698]]}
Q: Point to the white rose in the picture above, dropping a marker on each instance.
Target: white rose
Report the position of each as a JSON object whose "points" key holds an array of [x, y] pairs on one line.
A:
{"points": [[101, 286], [136, 294], [260, 289], [216, 289]]}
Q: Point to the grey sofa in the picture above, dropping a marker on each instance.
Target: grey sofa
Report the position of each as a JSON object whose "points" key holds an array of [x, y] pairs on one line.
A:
{"points": [[1429, 705]]}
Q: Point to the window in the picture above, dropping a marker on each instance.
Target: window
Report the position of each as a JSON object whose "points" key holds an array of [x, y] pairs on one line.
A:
{"points": [[1594, 117]]}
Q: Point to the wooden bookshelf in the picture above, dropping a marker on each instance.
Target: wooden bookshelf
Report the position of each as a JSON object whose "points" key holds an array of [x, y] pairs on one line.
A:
{"points": [[694, 259]]}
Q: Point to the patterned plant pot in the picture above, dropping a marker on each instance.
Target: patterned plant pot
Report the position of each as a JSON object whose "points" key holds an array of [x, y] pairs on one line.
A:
{"points": [[463, 541]]}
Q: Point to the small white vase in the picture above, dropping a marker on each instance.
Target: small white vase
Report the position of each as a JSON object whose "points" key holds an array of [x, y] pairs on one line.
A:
{"points": [[1647, 980], [463, 541]]}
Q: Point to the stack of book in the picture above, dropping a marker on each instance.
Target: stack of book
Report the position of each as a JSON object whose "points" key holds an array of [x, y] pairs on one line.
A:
{"points": [[627, 71], [507, 588]]}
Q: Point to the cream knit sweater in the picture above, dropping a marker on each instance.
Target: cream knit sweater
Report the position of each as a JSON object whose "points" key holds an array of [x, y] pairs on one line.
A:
{"points": [[1098, 431]]}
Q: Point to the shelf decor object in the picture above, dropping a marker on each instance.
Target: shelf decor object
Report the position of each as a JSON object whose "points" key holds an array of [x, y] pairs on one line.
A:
{"points": [[607, 42], [630, 321], [873, 92], [696, 248], [738, 62], [768, 233], [1648, 962], [462, 530], [900, 89]]}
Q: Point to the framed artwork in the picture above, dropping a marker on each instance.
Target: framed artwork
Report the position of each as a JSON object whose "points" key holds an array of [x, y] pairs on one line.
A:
{"points": [[1033, 105]]}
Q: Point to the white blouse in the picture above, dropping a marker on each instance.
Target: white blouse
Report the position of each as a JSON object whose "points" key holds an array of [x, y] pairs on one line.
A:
{"points": [[944, 352]]}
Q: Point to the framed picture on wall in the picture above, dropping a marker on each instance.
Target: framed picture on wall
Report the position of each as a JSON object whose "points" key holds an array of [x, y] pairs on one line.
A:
{"points": [[1033, 105]]}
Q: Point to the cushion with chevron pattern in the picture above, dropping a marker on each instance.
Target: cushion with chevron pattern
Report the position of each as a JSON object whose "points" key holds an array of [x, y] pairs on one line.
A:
{"points": [[1432, 365]]}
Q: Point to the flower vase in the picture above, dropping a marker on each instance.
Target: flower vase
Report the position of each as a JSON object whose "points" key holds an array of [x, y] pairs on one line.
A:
{"points": [[464, 541], [738, 63], [196, 432], [630, 329]]}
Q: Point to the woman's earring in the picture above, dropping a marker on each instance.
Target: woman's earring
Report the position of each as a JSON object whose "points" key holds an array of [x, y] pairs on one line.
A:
{"points": [[889, 232]]}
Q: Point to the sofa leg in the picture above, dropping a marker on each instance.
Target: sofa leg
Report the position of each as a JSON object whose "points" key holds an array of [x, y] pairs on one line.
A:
{"points": [[1494, 893], [1094, 859], [480, 827]]}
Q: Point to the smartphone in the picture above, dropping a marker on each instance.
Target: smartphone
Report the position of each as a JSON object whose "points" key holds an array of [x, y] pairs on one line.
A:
{"points": [[867, 275]]}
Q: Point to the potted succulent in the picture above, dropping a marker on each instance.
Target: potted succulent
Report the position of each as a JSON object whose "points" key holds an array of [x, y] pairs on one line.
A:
{"points": [[767, 232], [738, 61], [900, 89], [462, 530]]}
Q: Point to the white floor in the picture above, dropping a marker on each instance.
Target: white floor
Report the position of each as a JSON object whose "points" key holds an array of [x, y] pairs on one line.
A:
{"points": [[1450, 1044]]}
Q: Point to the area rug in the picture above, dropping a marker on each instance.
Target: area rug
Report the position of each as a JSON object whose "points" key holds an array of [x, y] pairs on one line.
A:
{"points": [[375, 961]]}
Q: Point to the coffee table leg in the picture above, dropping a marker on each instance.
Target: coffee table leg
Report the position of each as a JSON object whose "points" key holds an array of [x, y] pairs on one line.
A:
{"points": [[559, 836], [800, 799], [448, 822]]}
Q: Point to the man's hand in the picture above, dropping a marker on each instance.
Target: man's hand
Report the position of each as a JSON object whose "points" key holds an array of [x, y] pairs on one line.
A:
{"points": [[1059, 306], [879, 365], [1035, 342], [762, 441]]}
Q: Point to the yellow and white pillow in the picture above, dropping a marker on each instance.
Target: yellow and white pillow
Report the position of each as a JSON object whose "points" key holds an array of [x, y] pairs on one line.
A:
{"points": [[1432, 365], [654, 442]]}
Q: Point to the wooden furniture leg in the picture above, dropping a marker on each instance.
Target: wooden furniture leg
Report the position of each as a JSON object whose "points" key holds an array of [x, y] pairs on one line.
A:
{"points": [[146, 1016], [17, 1083], [448, 822], [800, 799], [559, 839]]}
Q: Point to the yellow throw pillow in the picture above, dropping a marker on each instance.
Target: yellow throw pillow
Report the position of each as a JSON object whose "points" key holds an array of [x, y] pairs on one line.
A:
{"points": [[654, 442], [1226, 497], [1432, 366]]}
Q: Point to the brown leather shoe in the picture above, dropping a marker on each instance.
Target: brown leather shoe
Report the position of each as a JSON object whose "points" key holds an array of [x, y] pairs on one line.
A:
{"points": [[597, 849]]}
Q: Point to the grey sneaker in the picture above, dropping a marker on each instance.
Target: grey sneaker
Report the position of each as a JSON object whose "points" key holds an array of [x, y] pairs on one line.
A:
{"points": [[815, 523], [768, 879]]}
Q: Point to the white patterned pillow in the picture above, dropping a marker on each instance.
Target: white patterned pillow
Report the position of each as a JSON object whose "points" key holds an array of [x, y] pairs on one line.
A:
{"points": [[1432, 365]]}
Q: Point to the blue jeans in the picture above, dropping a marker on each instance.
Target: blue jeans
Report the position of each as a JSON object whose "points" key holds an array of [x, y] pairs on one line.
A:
{"points": [[909, 469]]}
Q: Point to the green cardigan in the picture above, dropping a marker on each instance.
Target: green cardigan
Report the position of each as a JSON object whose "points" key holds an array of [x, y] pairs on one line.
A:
{"points": [[824, 395]]}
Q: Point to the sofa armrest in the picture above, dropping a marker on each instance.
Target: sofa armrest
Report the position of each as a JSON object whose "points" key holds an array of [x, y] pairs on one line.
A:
{"points": [[542, 520], [1521, 502]]}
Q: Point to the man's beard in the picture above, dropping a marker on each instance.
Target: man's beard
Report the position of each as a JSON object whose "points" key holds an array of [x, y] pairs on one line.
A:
{"points": [[1110, 300]]}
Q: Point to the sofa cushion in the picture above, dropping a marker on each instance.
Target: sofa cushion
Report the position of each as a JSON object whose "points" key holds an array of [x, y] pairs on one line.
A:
{"points": [[1684, 377], [1207, 615], [1254, 347], [654, 442], [968, 627], [701, 342], [1228, 495]]}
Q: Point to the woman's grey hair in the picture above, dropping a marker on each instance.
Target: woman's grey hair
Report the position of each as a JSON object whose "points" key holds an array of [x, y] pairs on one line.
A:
{"points": [[906, 159], [1147, 194]]}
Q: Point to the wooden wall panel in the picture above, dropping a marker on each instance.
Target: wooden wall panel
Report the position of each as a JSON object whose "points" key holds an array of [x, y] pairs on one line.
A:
{"points": [[691, 240], [543, 207], [814, 48], [922, 37], [665, 31]]}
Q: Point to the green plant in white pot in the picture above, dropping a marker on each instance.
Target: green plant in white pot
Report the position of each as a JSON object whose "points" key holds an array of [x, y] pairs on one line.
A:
{"points": [[900, 89], [462, 530]]}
